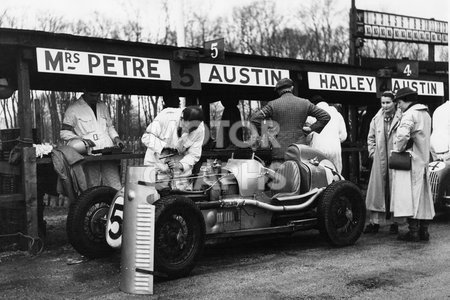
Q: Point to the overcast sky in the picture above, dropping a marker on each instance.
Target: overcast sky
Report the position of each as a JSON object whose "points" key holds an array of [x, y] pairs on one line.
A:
{"points": [[148, 10]]}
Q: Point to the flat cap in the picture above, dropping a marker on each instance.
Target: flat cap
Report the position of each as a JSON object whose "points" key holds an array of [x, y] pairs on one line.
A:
{"points": [[404, 92], [284, 82]]}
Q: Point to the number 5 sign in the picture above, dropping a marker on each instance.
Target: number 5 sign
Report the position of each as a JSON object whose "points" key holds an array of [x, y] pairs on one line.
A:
{"points": [[185, 75], [408, 69], [215, 48]]}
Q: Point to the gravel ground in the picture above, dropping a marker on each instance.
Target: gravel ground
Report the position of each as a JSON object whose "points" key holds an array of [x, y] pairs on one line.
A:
{"points": [[302, 266]]}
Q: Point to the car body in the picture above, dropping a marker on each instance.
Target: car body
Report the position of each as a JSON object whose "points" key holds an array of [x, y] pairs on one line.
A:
{"points": [[240, 197], [440, 183]]}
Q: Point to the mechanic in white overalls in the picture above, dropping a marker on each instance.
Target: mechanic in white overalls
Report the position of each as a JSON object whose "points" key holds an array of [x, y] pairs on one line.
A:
{"points": [[88, 118], [178, 132]]}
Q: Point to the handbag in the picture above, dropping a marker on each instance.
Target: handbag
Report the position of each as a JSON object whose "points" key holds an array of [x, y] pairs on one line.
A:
{"points": [[400, 160]]}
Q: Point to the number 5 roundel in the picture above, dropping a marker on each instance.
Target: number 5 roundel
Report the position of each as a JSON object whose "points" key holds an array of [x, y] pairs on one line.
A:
{"points": [[114, 223]]}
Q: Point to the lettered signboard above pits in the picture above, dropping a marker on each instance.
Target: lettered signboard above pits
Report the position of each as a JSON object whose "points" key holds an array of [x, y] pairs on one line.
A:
{"points": [[99, 64], [132, 67], [368, 84]]}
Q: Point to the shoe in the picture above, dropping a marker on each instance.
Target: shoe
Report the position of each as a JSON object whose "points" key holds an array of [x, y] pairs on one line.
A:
{"points": [[410, 236], [424, 235], [393, 229], [423, 230], [372, 228]]}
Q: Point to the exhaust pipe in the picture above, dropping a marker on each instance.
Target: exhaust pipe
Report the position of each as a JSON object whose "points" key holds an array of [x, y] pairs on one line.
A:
{"points": [[236, 202]]}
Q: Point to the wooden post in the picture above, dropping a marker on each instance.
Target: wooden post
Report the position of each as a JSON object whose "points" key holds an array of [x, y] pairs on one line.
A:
{"points": [[30, 190], [352, 35], [25, 111], [38, 120], [29, 179], [430, 52], [354, 157]]}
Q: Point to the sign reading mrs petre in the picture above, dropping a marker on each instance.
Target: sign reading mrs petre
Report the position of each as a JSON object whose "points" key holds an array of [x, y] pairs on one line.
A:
{"points": [[100, 64]]}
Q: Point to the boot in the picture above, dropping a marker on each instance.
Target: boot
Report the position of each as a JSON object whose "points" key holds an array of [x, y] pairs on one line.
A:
{"points": [[413, 234], [423, 230], [372, 228], [393, 229]]}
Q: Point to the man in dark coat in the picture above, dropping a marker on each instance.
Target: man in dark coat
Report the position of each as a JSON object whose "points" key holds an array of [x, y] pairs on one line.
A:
{"points": [[288, 114]]}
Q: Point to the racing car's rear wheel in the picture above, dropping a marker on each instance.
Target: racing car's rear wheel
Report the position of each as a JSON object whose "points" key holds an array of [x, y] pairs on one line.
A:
{"points": [[179, 236], [86, 221], [341, 213]]}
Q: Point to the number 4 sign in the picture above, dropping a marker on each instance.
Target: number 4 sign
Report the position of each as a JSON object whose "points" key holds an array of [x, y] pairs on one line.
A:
{"points": [[408, 69], [215, 48]]}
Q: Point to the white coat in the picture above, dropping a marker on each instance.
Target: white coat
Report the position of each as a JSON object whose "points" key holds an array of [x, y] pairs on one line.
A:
{"points": [[162, 133], [411, 193], [440, 137], [86, 125], [332, 135]]}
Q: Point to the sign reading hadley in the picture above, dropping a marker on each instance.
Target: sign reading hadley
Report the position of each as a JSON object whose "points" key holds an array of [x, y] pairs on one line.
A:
{"points": [[99, 64], [341, 82], [367, 84]]}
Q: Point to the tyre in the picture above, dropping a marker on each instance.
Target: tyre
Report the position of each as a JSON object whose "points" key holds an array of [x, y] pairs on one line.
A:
{"points": [[86, 221], [341, 213], [179, 236]]}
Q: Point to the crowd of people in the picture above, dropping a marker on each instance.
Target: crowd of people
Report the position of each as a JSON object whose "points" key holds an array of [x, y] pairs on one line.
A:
{"points": [[175, 138]]}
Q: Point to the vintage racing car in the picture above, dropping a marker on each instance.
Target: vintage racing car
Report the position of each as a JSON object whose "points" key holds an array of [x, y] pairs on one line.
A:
{"points": [[238, 198]]}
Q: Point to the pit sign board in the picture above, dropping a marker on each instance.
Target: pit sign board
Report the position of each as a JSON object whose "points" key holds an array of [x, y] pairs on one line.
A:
{"points": [[423, 87], [408, 69], [371, 84], [215, 48], [100, 64], [341, 82]]}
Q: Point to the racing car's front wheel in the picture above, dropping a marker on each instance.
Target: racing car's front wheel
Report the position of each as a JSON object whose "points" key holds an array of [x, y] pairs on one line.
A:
{"points": [[86, 221], [179, 236], [341, 213]]}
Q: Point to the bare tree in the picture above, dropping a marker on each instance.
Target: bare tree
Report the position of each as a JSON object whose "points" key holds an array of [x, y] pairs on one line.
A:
{"points": [[256, 27], [51, 23], [325, 41]]}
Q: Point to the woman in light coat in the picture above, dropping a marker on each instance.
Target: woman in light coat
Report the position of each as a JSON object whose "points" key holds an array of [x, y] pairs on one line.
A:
{"points": [[411, 193], [379, 145]]}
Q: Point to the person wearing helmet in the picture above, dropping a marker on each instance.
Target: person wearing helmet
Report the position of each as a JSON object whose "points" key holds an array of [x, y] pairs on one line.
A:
{"points": [[289, 113], [179, 133], [88, 119]]}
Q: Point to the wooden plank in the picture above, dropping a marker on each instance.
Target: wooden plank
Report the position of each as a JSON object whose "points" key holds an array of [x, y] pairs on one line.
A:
{"points": [[30, 190]]}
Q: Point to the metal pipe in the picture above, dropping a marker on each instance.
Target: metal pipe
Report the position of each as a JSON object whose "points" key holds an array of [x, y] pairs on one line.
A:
{"points": [[236, 202]]}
